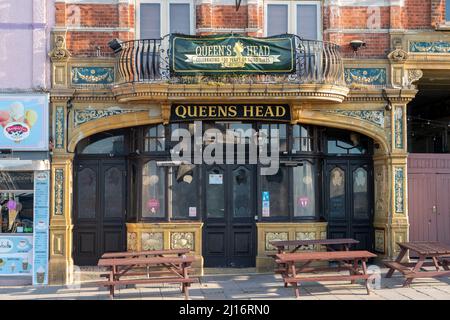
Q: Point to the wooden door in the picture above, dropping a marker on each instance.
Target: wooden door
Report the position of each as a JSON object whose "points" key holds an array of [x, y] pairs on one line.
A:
{"points": [[99, 209], [443, 208], [229, 237], [349, 201]]}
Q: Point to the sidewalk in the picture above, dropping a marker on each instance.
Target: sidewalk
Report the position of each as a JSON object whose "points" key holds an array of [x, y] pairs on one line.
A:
{"points": [[245, 287]]}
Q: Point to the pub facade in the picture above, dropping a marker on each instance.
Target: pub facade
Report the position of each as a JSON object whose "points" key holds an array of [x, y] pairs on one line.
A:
{"points": [[225, 73]]}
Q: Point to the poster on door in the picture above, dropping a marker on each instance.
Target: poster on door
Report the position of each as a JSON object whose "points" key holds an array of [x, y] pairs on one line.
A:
{"points": [[41, 227]]}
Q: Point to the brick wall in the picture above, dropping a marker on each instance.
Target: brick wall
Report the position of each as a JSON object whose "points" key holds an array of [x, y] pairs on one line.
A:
{"points": [[93, 25]]}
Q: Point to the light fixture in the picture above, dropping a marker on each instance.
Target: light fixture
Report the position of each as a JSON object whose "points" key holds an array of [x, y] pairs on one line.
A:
{"points": [[356, 44], [115, 45], [238, 4]]}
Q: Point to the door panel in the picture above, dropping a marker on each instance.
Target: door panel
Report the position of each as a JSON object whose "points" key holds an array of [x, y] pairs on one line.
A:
{"points": [[99, 209], [349, 201], [229, 231], [443, 208], [422, 197]]}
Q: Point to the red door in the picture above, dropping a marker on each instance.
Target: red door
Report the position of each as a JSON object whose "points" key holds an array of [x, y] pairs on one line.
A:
{"points": [[429, 197]]}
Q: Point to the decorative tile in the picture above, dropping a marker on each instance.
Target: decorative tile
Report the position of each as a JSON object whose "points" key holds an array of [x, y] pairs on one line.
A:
{"points": [[275, 236], [86, 115], [182, 240], [374, 116], [399, 189], [429, 46], [306, 236], [365, 76], [379, 240], [59, 192], [399, 132], [323, 235], [59, 127], [92, 75], [132, 241], [152, 241]]}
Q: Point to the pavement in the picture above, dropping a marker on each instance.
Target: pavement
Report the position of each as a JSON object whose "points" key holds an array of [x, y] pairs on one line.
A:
{"points": [[243, 286]]}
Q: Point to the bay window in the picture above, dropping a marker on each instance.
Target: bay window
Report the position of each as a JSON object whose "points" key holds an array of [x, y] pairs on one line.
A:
{"points": [[157, 18], [302, 18]]}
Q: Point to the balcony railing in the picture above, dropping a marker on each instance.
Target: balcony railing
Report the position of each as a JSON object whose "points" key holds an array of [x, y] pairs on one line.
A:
{"points": [[147, 61]]}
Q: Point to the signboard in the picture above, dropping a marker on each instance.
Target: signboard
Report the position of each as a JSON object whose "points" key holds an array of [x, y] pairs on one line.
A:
{"points": [[221, 54], [266, 112], [41, 227], [16, 254], [265, 204], [216, 178], [24, 122]]}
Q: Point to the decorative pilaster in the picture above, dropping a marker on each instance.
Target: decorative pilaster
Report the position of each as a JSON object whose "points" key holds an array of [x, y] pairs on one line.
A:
{"points": [[61, 263]]}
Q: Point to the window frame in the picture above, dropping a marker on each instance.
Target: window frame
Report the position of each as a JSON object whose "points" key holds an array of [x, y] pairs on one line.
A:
{"points": [[165, 15], [292, 15]]}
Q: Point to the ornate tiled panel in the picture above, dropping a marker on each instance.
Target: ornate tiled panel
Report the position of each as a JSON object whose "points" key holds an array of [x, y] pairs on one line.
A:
{"points": [[365, 76], [86, 115], [59, 127], [374, 116], [399, 189], [152, 241], [399, 130], [429, 46], [379, 240], [306, 236], [182, 240], [59, 192], [275, 236], [92, 75], [132, 241]]}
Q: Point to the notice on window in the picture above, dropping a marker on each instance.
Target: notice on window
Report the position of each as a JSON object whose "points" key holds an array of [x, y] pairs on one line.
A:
{"points": [[216, 179], [192, 211], [265, 204]]}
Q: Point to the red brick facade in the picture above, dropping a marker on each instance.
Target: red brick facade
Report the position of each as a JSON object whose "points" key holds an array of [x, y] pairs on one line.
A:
{"points": [[90, 26]]}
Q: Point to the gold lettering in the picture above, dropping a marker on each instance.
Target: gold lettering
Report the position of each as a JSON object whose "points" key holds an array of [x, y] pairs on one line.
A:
{"points": [[269, 112], [202, 111], [232, 111], [222, 112], [259, 111], [183, 112], [281, 111], [192, 111], [248, 111], [212, 111]]}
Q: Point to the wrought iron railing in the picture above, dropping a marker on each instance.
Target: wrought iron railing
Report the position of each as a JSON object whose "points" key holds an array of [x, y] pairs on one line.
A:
{"points": [[147, 60]]}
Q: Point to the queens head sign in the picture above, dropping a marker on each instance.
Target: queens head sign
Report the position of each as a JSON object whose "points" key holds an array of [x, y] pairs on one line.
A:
{"points": [[190, 55]]}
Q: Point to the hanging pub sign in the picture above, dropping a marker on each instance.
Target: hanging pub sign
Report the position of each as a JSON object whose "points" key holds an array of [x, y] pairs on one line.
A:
{"points": [[190, 55], [266, 112]]}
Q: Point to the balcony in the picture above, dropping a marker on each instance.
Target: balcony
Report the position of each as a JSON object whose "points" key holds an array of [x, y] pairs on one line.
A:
{"points": [[143, 73]]}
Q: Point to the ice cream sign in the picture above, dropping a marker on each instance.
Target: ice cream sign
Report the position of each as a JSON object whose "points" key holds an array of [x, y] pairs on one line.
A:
{"points": [[24, 122]]}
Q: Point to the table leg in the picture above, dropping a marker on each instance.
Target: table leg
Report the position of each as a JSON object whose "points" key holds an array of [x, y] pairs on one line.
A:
{"points": [[401, 255], [364, 269], [435, 262], [295, 284], [354, 270], [185, 285], [112, 277], [416, 268]]}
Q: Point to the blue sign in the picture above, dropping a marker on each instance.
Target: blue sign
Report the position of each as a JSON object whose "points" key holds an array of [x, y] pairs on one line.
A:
{"points": [[265, 196], [41, 227], [24, 122], [16, 254]]}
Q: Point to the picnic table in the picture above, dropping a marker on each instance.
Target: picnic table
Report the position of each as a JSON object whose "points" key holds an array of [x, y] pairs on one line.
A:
{"points": [[282, 246], [348, 260], [437, 252], [146, 253], [172, 269]]}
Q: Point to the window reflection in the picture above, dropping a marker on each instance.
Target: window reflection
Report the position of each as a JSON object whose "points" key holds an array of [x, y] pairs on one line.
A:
{"points": [[304, 190], [153, 190], [184, 187], [277, 187]]}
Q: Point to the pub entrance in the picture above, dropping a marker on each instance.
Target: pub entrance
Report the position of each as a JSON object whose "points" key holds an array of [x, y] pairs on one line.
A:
{"points": [[229, 238]]}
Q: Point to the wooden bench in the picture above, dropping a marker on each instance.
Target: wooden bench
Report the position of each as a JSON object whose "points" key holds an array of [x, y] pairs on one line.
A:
{"points": [[435, 251], [177, 267], [292, 274]]}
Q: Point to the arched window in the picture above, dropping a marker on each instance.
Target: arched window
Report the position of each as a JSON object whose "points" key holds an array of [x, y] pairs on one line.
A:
{"points": [[111, 142]]}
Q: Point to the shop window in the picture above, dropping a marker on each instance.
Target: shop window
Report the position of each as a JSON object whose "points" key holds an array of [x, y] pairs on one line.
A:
{"points": [[155, 139], [103, 143], [16, 202], [447, 10], [275, 189], [157, 18], [304, 186], [302, 18], [184, 185], [153, 190], [266, 134], [347, 143], [302, 139]]}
